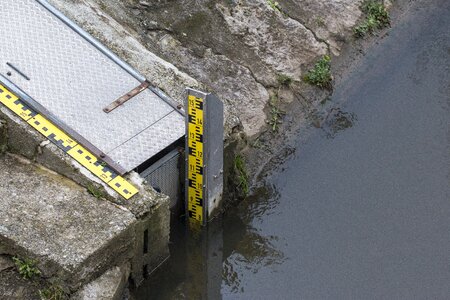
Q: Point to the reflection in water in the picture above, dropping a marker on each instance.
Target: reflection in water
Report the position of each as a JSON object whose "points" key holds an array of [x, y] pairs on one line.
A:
{"points": [[252, 254], [250, 251], [259, 205], [204, 263]]}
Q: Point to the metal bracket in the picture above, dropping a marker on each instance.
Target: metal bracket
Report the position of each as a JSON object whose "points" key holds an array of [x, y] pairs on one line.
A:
{"points": [[133, 93]]}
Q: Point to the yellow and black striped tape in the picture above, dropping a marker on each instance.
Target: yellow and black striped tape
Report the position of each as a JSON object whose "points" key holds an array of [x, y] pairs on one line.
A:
{"points": [[67, 144], [195, 158]]}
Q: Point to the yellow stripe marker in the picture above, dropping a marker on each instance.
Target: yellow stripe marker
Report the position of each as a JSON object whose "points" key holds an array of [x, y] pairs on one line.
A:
{"points": [[15, 104], [53, 133], [67, 144], [123, 187]]}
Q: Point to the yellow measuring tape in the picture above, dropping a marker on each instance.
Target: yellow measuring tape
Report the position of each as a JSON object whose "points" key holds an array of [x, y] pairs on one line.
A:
{"points": [[195, 158], [67, 144]]}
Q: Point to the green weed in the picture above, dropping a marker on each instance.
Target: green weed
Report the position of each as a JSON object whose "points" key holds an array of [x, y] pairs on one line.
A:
{"points": [[241, 169], [377, 17], [27, 267], [284, 80], [257, 144], [276, 114], [320, 74], [94, 191], [274, 5], [54, 292]]}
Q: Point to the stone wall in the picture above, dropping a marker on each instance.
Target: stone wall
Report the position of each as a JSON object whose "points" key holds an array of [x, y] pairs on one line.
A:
{"points": [[237, 49]]}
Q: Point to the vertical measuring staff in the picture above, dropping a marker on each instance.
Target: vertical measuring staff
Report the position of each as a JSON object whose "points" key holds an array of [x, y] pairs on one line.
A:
{"points": [[195, 179], [204, 155]]}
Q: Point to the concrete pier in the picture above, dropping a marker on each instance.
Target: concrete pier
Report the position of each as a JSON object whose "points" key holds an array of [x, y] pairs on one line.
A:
{"points": [[71, 234], [48, 215]]}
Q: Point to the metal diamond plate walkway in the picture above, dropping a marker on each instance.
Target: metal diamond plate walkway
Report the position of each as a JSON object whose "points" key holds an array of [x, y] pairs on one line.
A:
{"points": [[74, 80]]}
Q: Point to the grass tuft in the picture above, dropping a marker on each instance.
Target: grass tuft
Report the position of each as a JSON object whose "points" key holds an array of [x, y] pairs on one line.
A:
{"points": [[54, 292], [94, 191], [284, 80], [241, 169], [276, 114], [377, 18], [320, 74], [26, 267], [274, 5]]}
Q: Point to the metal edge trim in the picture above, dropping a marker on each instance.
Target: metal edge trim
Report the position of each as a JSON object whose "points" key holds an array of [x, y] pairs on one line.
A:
{"points": [[40, 109], [205, 161], [84, 34]]}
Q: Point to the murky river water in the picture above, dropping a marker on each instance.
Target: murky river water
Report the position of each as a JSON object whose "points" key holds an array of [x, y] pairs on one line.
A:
{"points": [[362, 209]]}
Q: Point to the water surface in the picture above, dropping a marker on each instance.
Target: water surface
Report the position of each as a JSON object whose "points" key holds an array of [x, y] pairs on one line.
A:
{"points": [[362, 209]]}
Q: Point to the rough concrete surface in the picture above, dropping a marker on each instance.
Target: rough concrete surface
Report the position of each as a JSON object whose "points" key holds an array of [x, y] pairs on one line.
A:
{"points": [[46, 217], [5, 263], [109, 286], [20, 138], [14, 287]]}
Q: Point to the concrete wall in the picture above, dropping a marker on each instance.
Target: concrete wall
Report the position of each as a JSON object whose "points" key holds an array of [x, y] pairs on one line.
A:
{"points": [[43, 169]]}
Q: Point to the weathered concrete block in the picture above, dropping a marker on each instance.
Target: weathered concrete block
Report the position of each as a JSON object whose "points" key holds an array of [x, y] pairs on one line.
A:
{"points": [[50, 156], [152, 242], [47, 217], [21, 139], [109, 286], [55, 221]]}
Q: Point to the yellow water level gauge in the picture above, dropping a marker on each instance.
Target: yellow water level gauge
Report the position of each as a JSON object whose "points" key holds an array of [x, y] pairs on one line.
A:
{"points": [[204, 155]]}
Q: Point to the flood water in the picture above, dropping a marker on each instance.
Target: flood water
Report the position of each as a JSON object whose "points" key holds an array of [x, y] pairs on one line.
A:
{"points": [[361, 210]]}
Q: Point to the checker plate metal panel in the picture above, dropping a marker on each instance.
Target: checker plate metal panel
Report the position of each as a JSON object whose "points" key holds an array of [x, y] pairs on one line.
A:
{"points": [[158, 136], [74, 81]]}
